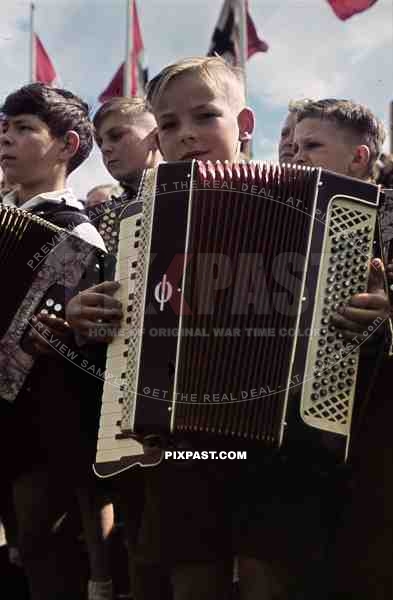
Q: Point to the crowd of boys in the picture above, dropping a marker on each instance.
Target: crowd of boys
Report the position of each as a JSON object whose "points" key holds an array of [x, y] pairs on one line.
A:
{"points": [[283, 519]]}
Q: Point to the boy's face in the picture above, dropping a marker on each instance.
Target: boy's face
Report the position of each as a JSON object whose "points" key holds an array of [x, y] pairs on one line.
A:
{"points": [[321, 143], [285, 146], [29, 152], [128, 144], [196, 121]]}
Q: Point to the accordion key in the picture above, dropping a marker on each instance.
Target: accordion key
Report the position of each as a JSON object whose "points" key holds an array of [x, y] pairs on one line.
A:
{"points": [[230, 275]]}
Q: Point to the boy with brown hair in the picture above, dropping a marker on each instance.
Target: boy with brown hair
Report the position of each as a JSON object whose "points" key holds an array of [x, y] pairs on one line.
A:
{"points": [[347, 137]]}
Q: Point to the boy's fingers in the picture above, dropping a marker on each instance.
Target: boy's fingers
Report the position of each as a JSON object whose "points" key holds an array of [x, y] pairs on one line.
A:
{"points": [[368, 301], [106, 287], [55, 324], [95, 313], [95, 299], [376, 279]]}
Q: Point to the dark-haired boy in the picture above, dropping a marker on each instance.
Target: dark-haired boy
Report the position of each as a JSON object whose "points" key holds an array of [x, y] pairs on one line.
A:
{"points": [[45, 134]]}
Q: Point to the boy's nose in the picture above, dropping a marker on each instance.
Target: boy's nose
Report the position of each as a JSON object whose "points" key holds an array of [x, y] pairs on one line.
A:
{"points": [[300, 158], [5, 138], [187, 132], [106, 149]]}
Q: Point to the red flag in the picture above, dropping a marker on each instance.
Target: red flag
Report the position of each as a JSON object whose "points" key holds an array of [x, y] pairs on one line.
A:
{"points": [[345, 9], [138, 71], [44, 69], [226, 36]]}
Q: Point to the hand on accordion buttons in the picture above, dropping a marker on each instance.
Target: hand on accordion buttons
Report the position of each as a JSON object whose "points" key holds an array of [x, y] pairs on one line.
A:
{"points": [[365, 313], [94, 313], [47, 333]]}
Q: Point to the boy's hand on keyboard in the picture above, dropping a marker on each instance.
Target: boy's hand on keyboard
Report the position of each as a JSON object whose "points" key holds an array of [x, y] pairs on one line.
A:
{"points": [[94, 314], [366, 310]]}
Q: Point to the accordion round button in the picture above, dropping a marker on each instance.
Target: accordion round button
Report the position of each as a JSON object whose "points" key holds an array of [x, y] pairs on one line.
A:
{"points": [[50, 302], [58, 307]]}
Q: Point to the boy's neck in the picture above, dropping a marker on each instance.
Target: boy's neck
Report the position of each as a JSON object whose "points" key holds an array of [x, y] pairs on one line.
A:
{"points": [[27, 191], [132, 180]]}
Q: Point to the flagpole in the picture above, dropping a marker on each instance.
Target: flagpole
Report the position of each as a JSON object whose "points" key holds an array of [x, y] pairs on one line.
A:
{"points": [[243, 41], [32, 45], [127, 62]]}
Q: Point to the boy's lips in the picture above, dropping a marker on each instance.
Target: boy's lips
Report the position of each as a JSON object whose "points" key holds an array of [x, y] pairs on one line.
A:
{"points": [[5, 158]]}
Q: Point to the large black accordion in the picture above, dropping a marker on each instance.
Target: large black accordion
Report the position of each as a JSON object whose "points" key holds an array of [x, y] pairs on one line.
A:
{"points": [[42, 266], [230, 274]]}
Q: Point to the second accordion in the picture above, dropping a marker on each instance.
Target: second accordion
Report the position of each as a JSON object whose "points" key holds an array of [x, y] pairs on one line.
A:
{"points": [[230, 274]]}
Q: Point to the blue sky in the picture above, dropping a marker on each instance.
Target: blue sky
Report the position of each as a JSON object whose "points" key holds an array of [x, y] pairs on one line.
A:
{"points": [[312, 54]]}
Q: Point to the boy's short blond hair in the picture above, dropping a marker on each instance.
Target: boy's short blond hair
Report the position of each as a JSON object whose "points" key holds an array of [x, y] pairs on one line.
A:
{"points": [[351, 117], [212, 70], [125, 106]]}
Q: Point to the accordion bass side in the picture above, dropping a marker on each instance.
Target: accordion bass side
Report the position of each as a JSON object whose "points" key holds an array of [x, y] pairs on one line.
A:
{"points": [[41, 264], [230, 274]]}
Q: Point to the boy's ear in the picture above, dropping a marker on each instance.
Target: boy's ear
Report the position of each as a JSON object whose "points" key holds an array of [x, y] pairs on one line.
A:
{"points": [[246, 123], [360, 161], [71, 144]]}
